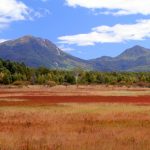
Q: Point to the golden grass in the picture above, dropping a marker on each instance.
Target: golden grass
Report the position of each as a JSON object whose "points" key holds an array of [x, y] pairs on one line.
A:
{"points": [[75, 127], [72, 90], [11, 100]]}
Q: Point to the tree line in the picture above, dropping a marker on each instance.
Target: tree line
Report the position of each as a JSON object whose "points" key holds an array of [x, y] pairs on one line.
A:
{"points": [[18, 73]]}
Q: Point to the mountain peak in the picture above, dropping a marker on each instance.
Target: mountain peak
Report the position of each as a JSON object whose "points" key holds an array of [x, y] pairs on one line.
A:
{"points": [[134, 52], [28, 38], [35, 52], [136, 46]]}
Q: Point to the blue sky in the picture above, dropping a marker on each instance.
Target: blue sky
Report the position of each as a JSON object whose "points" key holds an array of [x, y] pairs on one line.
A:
{"points": [[84, 28]]}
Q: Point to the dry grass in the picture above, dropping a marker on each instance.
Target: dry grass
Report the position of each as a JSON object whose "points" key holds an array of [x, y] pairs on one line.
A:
{"points": [[72, 90], [75, 127]]}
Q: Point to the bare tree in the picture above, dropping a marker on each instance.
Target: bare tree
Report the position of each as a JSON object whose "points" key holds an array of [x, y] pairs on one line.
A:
{"points": [[77, 73]]}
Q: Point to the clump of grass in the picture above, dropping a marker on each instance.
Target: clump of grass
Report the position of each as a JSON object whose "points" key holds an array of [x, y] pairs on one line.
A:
{"points": [[21, 83], [51, 83]]}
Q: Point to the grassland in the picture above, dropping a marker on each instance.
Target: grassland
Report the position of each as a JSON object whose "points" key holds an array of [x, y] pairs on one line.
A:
{"points": [[70, 118], [75, 126]]}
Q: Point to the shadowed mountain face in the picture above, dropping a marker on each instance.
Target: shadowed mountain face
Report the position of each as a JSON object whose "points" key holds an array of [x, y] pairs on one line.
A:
{"points": [[36, 52]]}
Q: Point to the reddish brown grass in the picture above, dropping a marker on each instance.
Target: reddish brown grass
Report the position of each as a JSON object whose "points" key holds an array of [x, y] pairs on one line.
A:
{"points": [[39, 120], [35, 129], [43, 100]]}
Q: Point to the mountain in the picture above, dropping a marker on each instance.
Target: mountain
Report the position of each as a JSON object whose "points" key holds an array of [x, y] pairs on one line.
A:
{"points": [[36, 52], [136, 58], [134, 53]]}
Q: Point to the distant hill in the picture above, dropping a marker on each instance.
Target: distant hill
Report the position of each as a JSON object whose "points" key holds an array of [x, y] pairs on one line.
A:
{"points": [[134, 53], [136, 58], [36, 52]]}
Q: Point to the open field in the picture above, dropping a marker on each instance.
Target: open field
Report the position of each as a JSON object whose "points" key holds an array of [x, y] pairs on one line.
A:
{"points": [[38, 95], [72, 90], [40, 118], [75, 126]]}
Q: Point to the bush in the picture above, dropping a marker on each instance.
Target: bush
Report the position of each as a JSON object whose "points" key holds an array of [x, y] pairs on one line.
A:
{"points": [[51, 83], [21, 83]]}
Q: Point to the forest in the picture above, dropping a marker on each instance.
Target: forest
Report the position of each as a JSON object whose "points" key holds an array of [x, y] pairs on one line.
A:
{"points": [[19, 74]]}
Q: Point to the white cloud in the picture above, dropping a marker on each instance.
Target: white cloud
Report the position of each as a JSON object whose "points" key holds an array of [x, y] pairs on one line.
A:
{"points": [[115, 7], [110, 34], [3, 40], [12, 10], [65, 48], [16, 10]]}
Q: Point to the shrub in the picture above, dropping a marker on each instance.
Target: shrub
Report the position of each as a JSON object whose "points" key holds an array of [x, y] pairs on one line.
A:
{"points": [[51, 83], [21, 83]]}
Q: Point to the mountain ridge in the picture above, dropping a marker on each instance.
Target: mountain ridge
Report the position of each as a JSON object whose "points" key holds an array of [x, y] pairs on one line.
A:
{"points": [[36, 52]]}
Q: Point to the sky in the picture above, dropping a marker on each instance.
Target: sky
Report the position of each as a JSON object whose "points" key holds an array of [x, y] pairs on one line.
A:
{"points": [[84, 28]]}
